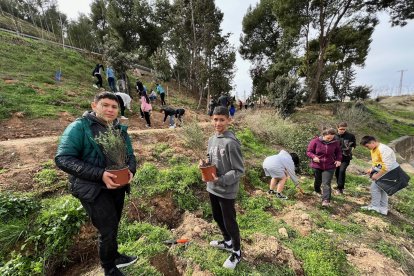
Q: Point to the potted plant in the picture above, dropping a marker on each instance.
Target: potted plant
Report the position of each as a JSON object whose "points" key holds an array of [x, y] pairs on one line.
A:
{"points": [[194, 139], [115, 151]]}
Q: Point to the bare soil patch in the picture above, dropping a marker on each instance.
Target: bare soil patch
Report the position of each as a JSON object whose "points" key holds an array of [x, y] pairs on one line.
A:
{"points": [[370, 262]]}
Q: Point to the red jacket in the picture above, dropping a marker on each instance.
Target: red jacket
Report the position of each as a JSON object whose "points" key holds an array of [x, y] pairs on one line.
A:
{"points": [[328, 153]]}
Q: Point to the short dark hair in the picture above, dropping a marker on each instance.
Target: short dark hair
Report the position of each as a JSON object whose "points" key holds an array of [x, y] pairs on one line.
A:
{"points": [[328, 131], [105, 95], [366, 139], [342, 124], [221, 110], [295, 159]]}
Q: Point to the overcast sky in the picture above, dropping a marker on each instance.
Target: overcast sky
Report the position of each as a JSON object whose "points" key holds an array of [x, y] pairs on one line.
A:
{"points": [[392, 49]]}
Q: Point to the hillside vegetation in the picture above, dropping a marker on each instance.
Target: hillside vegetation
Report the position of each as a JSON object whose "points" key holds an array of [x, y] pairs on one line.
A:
{"points": [[45, 231]]}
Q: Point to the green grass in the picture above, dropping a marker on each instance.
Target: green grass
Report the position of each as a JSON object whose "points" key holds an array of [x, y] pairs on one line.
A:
{"points": [[405, 200], [35, 93], [390, 251], [321, 256]]}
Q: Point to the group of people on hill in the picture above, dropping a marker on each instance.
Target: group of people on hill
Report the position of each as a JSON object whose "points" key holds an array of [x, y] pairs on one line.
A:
{"points": [[145, 100], [230, 103], [330, 154], [103, 199], [119, 86]]}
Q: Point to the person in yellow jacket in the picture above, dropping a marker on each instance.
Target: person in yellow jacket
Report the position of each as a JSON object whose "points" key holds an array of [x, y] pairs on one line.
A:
{"points": [[383, 161]]}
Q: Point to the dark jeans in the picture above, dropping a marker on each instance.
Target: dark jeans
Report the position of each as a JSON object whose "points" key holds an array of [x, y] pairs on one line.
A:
{"points": [[323, 178], [147, 118], [122, 110], [105, 213], [162, 95], [224, 214], [99, 82], [340, 174], [142, 113], [111, 83]]}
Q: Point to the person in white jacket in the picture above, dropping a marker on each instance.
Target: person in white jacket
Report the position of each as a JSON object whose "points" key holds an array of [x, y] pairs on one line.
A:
{"points": [[280, 167], [125, 103]]}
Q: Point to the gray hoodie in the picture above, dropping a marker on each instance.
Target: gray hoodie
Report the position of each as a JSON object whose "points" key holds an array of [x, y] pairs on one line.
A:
{"points": [[224, 152]]}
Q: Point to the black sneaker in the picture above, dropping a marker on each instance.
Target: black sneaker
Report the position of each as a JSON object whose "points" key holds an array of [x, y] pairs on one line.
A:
{"points": [[221, 245], [232, 261], [113, 272], [124, 260], [281, 196], [272, 192]]}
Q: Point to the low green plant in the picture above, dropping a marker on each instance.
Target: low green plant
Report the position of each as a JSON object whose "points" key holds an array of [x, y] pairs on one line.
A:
{"points": [[46, 177], [19, 265], [251, 146], [15, 205], [405, 200], [390, 251], [54, 228], [323, 219], [320, 255]]}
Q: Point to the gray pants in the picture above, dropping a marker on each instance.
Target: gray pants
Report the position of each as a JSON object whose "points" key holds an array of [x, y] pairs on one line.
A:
{"points": [[323, 178], [379, 198]]}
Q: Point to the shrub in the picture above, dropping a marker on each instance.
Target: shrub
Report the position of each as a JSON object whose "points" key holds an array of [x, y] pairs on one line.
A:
{"points": [[55, 228], [46, 177], [194, 139], [271, 129], [13, 205]]}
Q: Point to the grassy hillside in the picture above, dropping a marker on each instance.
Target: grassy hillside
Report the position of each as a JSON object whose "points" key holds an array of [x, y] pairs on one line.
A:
{"points": [[45, 231], [28, 78]]}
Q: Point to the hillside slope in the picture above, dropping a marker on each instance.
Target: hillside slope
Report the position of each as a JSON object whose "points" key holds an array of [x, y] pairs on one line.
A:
{"points": [[44, 230]]}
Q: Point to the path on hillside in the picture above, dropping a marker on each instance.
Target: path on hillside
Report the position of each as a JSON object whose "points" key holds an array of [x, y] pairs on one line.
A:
{"points": [[21, 142]]}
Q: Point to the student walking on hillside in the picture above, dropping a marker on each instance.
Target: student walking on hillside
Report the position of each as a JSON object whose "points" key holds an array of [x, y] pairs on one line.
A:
{"points": [[168, 111], [110, 75], [326, 156], [280, 167], [386, 174], [161, 91], [348, 143], [224, 152], [146, 109], [82, 158], [97, 72]]}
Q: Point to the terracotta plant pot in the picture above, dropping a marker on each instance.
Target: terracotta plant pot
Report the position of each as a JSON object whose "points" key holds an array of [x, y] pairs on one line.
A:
{"points": [[207, 173], [122, 176]]}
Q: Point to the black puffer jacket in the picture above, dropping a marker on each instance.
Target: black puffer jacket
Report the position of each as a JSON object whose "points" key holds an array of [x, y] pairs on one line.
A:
{"points": [[81, 157]]}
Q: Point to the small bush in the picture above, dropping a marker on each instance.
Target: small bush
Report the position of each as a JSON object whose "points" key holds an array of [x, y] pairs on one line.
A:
{"points": [[46, 177], [194, 139], [13, 205], [19, 265]]}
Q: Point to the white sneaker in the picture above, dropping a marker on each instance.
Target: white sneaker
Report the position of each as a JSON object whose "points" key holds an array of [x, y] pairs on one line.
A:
{"points": [[124, 118], [232, 261], [221, 245], [378, 210]]}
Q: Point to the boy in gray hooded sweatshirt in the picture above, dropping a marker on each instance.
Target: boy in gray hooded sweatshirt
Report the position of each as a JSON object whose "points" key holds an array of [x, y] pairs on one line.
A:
{"points": [[225, 153]]}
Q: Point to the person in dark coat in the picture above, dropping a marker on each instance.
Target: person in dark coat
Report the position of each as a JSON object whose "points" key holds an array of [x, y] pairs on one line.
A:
{"points": [[82, 158], [169, 112], [348, 143]]}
